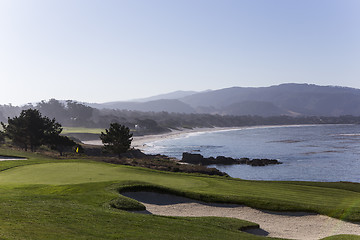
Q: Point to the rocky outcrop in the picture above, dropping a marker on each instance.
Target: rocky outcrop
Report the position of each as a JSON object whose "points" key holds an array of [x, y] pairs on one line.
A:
{"points": [[195, 158], [262, 162]]}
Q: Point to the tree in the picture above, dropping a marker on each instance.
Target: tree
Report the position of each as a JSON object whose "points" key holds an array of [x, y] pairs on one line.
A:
{"points": [[80, 114], [53, 109], [117, 139], [2, 137], [61, 143], [31, 129]]}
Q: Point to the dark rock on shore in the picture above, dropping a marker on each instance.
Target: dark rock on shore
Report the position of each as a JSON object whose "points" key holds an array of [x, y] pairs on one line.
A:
{"points": [[134, 157], [195, 158], [263, 162]]}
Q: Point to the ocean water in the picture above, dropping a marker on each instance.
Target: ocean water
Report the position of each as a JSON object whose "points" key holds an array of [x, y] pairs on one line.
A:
{"points": [[327, 153]]}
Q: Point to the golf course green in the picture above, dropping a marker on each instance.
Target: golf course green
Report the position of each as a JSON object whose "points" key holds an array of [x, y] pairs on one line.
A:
{"points": [[44, 198]]}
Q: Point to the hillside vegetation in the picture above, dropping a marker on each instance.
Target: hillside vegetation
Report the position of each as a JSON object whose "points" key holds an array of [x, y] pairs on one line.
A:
{"points": [[285, 99], [72, 114]]}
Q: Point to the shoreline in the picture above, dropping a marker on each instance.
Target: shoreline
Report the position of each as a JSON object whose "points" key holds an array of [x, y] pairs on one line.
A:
{"points": [[142, 142]]}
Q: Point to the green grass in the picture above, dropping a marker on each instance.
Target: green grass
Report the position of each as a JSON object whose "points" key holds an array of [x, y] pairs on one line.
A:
{"points": [[277, 196], [43, 198], [79, 212], [343, 237], [67, 130]]}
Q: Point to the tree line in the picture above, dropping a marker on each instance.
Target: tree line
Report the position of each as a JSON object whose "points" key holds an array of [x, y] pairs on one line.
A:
{"points": [[73, 114], [31, 129]]}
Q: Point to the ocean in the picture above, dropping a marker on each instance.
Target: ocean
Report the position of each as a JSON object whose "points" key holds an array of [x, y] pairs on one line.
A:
{"points": [[327, 153]]}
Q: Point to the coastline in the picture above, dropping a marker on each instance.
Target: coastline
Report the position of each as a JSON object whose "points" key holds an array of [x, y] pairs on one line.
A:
{"points": [[141, 142]]}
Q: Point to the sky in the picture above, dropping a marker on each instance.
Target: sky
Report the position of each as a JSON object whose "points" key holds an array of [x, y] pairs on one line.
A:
{"points": [[114, 50]]}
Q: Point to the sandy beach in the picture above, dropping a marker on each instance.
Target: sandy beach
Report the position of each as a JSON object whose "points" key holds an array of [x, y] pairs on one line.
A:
{"points": [[305, 226], [141, 142]]}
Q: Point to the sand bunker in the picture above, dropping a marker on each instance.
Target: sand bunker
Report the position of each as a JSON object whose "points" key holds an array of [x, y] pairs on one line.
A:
{"points": [[272, 224], [8, 158]]}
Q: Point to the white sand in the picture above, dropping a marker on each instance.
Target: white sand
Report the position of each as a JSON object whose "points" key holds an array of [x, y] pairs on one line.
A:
{"points": [[141, 142], [276, 224], [4, 158]]}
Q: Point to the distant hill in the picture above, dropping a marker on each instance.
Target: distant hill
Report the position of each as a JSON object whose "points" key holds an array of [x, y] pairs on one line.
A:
{"points": [[265, 109], [162, 105], [285, 99], [288, 99], [172, 95]]}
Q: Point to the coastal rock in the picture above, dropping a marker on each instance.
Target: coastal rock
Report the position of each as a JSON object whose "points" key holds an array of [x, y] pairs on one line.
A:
{"points": [[226, 160], [195, 158], [263, 162]]}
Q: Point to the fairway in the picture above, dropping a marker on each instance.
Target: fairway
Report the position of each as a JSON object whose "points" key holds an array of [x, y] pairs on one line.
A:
{"points": [[77, 172], [87, 187], [67, 130], [276, 196]]}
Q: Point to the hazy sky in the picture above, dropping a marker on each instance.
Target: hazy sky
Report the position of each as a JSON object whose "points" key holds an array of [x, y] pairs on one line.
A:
{"points": [[103, 50]]}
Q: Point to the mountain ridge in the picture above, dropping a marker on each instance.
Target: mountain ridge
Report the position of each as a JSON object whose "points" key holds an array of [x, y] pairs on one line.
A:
{"points": [[161, 105], [292, 99], [171, 95]]}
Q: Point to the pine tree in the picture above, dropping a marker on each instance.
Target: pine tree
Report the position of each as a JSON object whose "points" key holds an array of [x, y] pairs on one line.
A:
{"points": [[117, 139], [31, 129]]}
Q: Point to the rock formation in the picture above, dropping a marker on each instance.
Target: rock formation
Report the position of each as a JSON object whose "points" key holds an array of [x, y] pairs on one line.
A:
{"points": [[195, 158]]}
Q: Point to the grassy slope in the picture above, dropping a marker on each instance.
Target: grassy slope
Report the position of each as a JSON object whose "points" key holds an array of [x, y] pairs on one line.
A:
{"points": [[273, 196], [343, 237], [81, 212], [62, 200], [67, 130]]}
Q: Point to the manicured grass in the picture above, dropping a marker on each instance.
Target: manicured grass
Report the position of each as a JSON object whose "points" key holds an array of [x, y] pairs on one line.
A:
{"points": [[276, 196], [82, 212], [343, 237], [351, 186], [43, 198], [67, 130], [32, 158]]}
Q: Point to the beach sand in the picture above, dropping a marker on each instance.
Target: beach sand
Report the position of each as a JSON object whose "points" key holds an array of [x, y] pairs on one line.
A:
{"points": [[141, 142], [289, 225]]}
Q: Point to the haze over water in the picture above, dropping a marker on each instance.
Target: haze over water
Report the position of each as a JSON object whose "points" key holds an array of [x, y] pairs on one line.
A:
{"points": [[309, 153]]}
